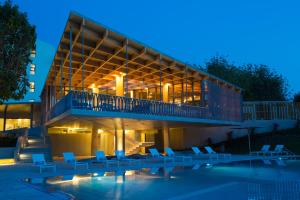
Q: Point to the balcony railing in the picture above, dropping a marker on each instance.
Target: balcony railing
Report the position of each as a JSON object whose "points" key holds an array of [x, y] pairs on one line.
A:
{"points": [[271, 110], [109, 103]]}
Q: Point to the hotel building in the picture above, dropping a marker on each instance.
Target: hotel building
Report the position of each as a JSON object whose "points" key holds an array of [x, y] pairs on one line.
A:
{"points": [[105, 91]]}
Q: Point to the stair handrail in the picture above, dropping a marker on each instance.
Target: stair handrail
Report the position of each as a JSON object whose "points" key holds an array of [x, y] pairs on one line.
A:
{"points": [[22, 142]]}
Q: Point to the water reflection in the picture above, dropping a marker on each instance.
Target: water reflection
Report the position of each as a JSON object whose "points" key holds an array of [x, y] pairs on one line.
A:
{"points": [[281, 190]]}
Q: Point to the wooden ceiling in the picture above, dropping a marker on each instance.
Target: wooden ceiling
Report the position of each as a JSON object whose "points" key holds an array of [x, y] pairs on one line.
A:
{"points": [[98, 54]]}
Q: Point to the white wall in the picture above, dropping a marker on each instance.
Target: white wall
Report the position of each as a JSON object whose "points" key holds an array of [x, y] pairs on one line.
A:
{"points": [[199, 136]]}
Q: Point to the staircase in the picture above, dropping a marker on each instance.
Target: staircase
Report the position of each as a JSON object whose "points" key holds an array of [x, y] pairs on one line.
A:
{"points": [[36, 145], [136, 148]]}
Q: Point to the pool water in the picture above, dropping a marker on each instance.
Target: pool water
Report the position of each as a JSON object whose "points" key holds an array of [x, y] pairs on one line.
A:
{"points": [[255, 180]]}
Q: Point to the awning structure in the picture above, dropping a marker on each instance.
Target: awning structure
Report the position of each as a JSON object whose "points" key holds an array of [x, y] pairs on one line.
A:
{"points": [[92, 54]]}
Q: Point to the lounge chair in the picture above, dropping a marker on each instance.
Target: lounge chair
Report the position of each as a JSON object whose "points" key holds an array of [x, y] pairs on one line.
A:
{"points": [[155, 155], [265, 149], [101, 158], [171, 153], [154, 170], [69, 158], [210, 151], [199, 153], [120, 155], [38, 160], [280, 150]]}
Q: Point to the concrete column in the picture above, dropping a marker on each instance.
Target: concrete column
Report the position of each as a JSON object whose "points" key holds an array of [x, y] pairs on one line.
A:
{"points": [[95, 140], [166, 139], [143, 139], [31, 115], [4, 118], [119, 85], [166, 93], [120, 140]]}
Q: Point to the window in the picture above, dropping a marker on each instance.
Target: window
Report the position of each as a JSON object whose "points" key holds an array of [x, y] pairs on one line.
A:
{"points": [[31, 86], [32, 69], [33, 54]]}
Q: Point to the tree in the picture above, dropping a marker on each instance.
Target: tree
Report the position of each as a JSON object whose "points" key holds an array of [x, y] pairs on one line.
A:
{"points": [[259, 82], [17, 40], [297, 97]]}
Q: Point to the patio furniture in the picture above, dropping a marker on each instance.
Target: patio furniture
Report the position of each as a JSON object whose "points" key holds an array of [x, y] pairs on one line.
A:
{"points": [[171, 153], [199, 153], [69, 158], [210, 151], [280, 150], [155, 155], [101, 158], [38, 160], [265, 149]]}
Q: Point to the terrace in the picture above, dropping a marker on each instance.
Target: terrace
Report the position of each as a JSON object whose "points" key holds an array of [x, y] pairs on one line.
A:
{"points": [[100, 72]]}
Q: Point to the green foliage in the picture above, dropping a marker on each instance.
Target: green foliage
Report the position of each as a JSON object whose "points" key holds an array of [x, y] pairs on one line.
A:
{"points": [[297, 97], [17, 39], [259, 82]]}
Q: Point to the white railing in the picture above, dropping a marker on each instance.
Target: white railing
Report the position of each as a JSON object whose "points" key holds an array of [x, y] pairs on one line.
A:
{"points": [[271, 110], [110, 103]]}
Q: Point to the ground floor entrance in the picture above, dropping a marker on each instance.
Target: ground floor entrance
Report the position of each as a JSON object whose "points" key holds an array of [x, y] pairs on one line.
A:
{"points": [[86, 135]]}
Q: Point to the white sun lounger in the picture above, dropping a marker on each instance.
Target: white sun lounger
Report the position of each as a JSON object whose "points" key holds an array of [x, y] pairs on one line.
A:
{"points": [[210, 151], [265, 149], [101, 158], [155, 155], [171, 153], [69, 158], [199, 153], [38, 160], [280, 150]]}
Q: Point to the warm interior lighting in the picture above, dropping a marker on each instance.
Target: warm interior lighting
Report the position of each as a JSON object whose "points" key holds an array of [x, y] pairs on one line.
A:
{"points": [[100, 131], [129, 173], [7, 161]]}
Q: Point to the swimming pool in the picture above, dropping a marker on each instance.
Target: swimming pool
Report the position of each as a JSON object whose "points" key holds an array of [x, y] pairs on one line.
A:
{"points": [[268, 179]]}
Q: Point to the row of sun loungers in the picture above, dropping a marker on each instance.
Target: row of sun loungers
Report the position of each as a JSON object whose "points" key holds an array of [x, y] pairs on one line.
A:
{"points": [[279, 150], [171, 156]]}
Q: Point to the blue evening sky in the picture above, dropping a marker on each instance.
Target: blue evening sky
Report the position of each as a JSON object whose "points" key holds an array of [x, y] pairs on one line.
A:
{"points": [[250, 31]]}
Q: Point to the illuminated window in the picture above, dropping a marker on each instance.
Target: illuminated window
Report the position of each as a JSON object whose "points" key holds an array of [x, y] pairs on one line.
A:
{"points": [[31, 86], [32, 69], [33, 53]]}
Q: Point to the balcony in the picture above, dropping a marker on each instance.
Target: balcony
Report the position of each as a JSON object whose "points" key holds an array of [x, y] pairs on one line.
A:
{"points": [[102, 103]]}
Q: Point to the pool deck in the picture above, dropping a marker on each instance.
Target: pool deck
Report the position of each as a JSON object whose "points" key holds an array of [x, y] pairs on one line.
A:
{"points": [[12, 185]]}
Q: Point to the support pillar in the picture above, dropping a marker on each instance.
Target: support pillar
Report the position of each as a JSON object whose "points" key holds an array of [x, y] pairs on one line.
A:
{"points": [[193, 93], [70, 57], [4, 118], [166, 93], [61, 77], [119, 139], [31, 115], [143, 139], [119, 85], [126, 66], [95, 140], [202, 93], [166, 139]]}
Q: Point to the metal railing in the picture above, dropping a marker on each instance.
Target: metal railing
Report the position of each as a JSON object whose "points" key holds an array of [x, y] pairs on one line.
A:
{"points": [[22, 142], [271, 110], [110, 103]]}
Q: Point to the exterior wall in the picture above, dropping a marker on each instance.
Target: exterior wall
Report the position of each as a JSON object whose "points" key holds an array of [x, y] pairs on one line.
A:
{"points": [[80, 144], [223, 102], [186, 138], [42, 60]]}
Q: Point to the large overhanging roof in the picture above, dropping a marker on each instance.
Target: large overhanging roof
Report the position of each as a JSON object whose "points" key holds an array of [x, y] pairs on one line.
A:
{"points": [[104, 53]]}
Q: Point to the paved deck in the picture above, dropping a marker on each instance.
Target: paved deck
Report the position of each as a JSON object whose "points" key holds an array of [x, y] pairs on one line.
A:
{"points": [[13, 187]]}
